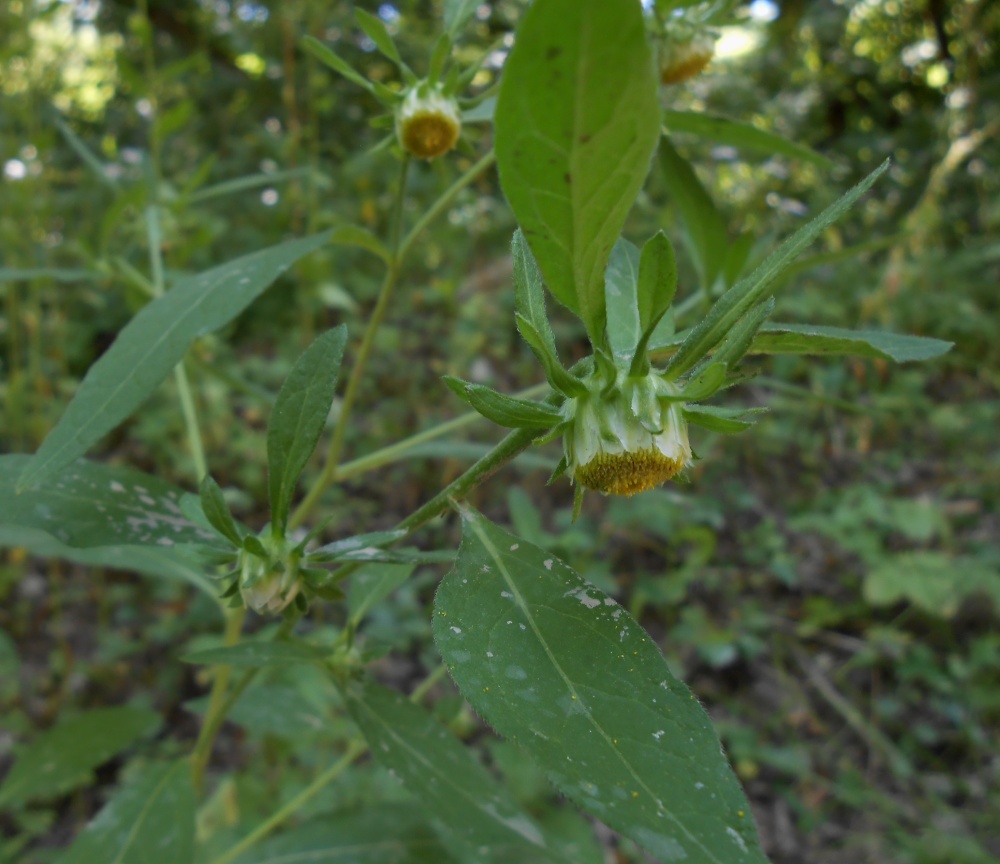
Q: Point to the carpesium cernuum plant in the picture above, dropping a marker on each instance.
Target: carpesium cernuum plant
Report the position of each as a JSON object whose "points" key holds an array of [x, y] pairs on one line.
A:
{"points": [[546, 659]]}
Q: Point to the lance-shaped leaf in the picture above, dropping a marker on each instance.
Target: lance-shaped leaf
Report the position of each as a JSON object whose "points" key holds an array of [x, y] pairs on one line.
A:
{"points": [[529, 295], [575, 131], [727, 421], [152, 343], [504, 410], [298, 418], [471, 810], [362, 238], [457, 12], [376, 30], [656, 288], [566, 673], [150, 820], [255, 654], [722, 130], [621, 289], [327, 56], [213, 504], [61, 758], [91, 505], [705, 384], [750, 290], [737, 342], [556, 375], [815, 339]]}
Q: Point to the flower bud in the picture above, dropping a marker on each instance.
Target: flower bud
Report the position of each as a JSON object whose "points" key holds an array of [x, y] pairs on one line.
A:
{"points": [[626, 439], [427, 122], [265, 586], [681, 60]]}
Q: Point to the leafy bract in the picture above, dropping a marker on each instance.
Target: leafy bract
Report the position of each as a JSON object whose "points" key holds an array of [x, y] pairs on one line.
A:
{"points": [[577, 120], [566, 673], [621, 295], [471, 810], [151, 344], [61, 758], [298, 418], [148, 821], [91, 505]]}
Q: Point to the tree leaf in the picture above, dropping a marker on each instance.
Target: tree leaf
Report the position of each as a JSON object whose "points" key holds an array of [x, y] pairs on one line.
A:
{"points": [[456, 13], [373, 834], [298, 417], [61, 758], [253, 654], [566, 673], [470, 809], [151, 344], [815, 339], [148, 821], [621, 289], [502, 409], [704, 227], [575, 131], [90, 504], [749, 291], [722, 130]]}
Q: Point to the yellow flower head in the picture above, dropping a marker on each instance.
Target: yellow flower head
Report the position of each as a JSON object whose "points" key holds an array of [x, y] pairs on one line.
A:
{"points": [[427, 123]]}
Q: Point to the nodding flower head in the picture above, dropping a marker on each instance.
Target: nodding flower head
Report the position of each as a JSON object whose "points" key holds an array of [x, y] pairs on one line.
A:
{"points": [[682, 59], [427, 122], [626, 438]]}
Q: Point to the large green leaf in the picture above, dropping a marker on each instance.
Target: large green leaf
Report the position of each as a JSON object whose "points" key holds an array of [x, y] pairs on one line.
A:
{"points": [[722, 130], [751, 289], [148, 821], [374, 834], [814, 339], [577, 120], [471, 810], [298, 418], [61, 758], [564, 671], [152, 343], [90, 505]]}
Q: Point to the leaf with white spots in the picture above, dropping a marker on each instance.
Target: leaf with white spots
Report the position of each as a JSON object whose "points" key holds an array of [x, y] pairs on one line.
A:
{"points": [[472, 812], [61, 758], [566, 673], [151, 344], [89, 505], [148, 821]]}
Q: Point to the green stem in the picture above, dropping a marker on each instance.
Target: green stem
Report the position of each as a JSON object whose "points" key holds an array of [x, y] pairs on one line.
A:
{"points": [[217, 705], [190, 420]]}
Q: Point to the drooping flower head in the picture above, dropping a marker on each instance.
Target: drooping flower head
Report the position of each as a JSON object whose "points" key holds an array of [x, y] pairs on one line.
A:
{"points": [[427, 122]]}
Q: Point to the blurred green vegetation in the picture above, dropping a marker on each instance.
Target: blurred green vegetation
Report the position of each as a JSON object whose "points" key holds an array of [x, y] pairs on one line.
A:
{"points": [[829, 583]]}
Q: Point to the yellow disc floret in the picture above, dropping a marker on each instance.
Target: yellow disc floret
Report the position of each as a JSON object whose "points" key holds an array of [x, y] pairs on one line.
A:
{"points": [[427, 123], [628, 473]]}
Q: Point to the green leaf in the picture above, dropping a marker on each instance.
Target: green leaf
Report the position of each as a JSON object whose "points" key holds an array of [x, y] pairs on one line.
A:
{"points": [[150, 820], [737, 341], [934, 582], [375, 555], [456, 13], [148, 561], [213, 503], [504, 410], [15, 274], [376, 31], [657, 280], [89, 504], [152, 343], [750, 290], [725, 131], [704, 384], [439, 57], [252, 544], [529, 293], [371, 585], [704, 227], [815, 339], [373, 834], [726, 421], [297, 420], [361, 541], [621, 289], [61, 758], [464, 802], [326, 55], [556, 375], [255, 181], [577, 120], [254, 654], [355, 235], [566, 673]]}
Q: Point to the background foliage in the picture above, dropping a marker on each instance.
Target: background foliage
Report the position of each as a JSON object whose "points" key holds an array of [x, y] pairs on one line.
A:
{"points": [[828, 584]]}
